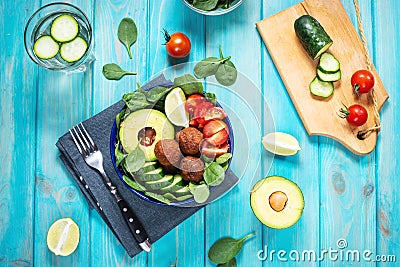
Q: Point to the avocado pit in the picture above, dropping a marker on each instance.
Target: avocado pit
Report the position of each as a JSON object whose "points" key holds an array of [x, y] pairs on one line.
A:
{"points": [[278, 200], [146, 136]]}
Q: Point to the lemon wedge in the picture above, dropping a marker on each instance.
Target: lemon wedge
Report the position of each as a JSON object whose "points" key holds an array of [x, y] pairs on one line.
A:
{"points": [[175, 108], [282, 144], [63, 237]]}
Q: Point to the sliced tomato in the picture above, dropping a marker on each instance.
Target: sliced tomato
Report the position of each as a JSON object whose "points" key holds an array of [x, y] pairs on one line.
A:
{"points": [[212, 151], [213, 127], [201, 110], [193, 123], [219, 138], [215, 113], [193, 101]]}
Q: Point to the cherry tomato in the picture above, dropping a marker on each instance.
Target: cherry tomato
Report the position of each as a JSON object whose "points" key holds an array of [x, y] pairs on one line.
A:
{"points": [[214, 127], [212, 151], [201, 111], [355, 115], [215, 113], [177, 44], [362, 81], [193, 102]]}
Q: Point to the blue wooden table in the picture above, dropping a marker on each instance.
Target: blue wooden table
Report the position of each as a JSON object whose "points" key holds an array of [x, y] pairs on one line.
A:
{"points": [[349, 197]]}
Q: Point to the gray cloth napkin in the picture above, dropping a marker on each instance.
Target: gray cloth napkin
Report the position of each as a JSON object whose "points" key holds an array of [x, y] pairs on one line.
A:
{"points": [[157, 220]]}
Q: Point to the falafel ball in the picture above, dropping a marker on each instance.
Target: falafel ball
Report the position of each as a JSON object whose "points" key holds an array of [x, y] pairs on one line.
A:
{"points": [[167, 152], [189, 140], [192, 169]]}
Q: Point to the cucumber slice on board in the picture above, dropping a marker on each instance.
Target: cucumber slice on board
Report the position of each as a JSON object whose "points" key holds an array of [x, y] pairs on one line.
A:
{"points": [[328, 63], [45, 47], [321, 88], [74, 50], [312, 36], [64, 28], [329, 77]]}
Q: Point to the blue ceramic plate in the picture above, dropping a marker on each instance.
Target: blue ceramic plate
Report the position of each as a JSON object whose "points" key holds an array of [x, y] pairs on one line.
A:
{"points": [[120, 171]]}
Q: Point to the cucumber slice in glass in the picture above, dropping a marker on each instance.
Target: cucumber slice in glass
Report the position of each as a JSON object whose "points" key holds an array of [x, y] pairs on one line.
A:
{"points": [[45, 47], [64, 28], [74, 50], [321, 88]]}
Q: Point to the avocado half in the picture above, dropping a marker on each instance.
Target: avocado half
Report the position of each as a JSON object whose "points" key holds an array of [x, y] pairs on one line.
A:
{"points": [[138, 120], [277, 202]]}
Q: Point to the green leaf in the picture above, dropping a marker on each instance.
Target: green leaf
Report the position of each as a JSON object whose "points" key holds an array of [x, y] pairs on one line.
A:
{"points": [[224, 3], [189, 84], [223, 158], [231, 263], [119, 117], [225, 249], [135, 185], [205, 5], [135, 101], [119, 156], [156, 93], [134, 160], [206, 67], [211, 97], [226, 73], [114, 72], [214, 174], [127, 33], [200, 192], [157, 197]]}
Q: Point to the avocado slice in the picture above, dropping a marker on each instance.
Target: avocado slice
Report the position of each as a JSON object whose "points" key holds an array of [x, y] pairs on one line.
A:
{"points": [[134, 124], [277, 202]]}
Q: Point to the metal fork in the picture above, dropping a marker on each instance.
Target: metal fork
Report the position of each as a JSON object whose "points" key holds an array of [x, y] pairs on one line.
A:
{"points": [[93, 157]]}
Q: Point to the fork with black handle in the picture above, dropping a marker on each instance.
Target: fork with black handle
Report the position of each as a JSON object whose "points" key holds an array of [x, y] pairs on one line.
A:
{"points": [[93, 157]]}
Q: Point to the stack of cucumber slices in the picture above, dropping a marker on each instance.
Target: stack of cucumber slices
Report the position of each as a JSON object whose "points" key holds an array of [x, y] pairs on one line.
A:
{"points": [[328, 71], [63, 40]]}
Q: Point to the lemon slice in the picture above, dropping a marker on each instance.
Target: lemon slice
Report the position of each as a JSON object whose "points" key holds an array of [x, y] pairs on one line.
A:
{"points": [[281, 144], [175, 108], [63, 237]]}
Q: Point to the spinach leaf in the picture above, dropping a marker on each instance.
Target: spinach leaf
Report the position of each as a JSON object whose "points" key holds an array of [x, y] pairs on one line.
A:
{"points": [[226, 73], [214, 174], [156, 93], [119, 117], [206, 67], [205, 5], [127, 33], [134, 160], [225, 249], [135, 101], [140, 89], [224, 3], [119, 156], [114, 72], [157, 197], [188, 84], [200, 192], [223, 158], [225, 165], [211, 97], [231, 263]]}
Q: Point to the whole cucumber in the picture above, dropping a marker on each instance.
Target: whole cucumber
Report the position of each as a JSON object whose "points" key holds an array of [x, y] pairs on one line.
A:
{"points": [[312, 36]]}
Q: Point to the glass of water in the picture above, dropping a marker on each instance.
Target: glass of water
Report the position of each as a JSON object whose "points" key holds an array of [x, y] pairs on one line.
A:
{"points": [[58, 36]]}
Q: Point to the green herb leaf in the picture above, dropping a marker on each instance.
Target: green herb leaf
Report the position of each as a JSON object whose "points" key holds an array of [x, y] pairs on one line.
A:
{"points": [[119, 156], [205, 5], [156, 93], [157, 197], [211, 97], [127, 33], [140, 89], [189, 84], [214, 174], [135, 160], [206, 67], [114, 72], [223, 158], [200, 192], [225, 249], [119, 117], [135, 101], [226, 73], [231, 263]]}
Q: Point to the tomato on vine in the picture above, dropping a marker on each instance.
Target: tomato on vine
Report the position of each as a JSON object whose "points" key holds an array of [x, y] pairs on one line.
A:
{"points": [[355, 115], [362, 81], [178, 44]]}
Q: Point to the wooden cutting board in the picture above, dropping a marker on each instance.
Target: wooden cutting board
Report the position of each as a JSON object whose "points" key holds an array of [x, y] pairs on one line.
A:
{"points": [[297, 70]]}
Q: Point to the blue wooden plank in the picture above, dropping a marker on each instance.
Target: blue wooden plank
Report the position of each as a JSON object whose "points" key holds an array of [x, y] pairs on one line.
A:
{"points": [[105, 248], [301, 168], [175, 17], [60, 105], [386, 48], [17, 137]]}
